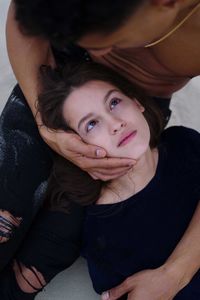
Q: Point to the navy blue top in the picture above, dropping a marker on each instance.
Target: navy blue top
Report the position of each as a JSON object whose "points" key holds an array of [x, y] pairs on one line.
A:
{"points": [[141, 232]]}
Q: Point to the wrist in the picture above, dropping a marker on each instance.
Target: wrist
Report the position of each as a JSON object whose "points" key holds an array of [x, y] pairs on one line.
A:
{"points": [[38, 118], [178, 271]]}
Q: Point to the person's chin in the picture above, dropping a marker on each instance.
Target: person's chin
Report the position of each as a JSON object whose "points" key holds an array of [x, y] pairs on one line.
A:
{"points": [[119, 154], [129, 151], [134, 154]]}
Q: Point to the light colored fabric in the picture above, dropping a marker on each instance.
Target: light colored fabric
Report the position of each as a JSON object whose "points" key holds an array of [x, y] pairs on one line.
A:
{"points": [[185, 105], [74, 283]]}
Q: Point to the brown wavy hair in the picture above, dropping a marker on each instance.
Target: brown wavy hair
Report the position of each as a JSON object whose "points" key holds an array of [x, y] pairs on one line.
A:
{"points": [[67, 181]]}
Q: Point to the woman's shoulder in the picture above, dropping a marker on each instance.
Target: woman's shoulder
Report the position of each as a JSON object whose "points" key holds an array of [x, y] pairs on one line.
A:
{"points": [[180, 135], [181, 142]]}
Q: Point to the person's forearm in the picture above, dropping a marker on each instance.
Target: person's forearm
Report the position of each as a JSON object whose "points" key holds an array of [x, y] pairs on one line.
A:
{"points": [[185, 259], [26, 55]]}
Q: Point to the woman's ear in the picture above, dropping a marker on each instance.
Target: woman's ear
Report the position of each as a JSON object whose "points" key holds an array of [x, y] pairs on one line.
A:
{"points": [[139, 105]]}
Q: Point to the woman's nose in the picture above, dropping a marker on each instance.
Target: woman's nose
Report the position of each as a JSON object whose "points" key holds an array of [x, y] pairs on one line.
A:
{"points": [[117, 126]]}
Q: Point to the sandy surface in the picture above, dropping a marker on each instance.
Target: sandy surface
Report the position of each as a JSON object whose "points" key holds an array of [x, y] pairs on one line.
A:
{"points": [[74, 284]]}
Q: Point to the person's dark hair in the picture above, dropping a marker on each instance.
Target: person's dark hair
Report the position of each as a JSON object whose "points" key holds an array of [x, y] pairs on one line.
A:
{"points": [[65, 21], [72, 182]]}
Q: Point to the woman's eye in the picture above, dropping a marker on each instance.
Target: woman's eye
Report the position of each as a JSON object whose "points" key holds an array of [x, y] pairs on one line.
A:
{"points": [[114, 102], [90, 125]]}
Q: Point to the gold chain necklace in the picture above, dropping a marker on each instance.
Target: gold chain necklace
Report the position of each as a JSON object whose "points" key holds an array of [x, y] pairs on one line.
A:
{"points": [[175, 28]]}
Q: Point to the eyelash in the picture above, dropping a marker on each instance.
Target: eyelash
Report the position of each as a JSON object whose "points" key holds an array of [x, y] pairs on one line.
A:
{"points": [[114, 99], [88, 124], [110, 104]]}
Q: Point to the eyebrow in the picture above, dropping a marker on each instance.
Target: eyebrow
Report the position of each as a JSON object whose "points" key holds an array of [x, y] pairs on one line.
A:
{"points": [[91, 114]]}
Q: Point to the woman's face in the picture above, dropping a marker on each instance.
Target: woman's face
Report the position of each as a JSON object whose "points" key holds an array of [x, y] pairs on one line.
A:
{"points": [[105, 117], [143, 27]]}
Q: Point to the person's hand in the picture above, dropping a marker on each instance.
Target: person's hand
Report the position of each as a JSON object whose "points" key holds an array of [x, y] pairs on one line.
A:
{"points": [[90, 158], [156, 284]]}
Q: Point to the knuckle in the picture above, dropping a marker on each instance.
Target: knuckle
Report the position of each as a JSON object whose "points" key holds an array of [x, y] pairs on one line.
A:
{"points": [[104, 178], [82, 165], [85, 164], [127, 283], [114, 294], [93, 175]]}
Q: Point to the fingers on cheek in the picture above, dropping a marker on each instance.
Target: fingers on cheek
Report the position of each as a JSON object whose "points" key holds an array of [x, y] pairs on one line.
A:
{"points": [[93, 176]]}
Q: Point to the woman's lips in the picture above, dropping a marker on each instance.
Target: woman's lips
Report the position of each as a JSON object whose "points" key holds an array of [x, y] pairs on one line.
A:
{"points": [[127, 138]]}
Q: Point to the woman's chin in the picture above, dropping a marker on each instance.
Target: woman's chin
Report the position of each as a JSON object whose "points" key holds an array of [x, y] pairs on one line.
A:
{"points": [[124, 155], [134, 154]]}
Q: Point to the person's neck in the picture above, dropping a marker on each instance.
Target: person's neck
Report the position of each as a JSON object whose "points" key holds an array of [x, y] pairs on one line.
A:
{"points": [[187, 7], [184, 8], [189, 3], [132, 182], [186, 19]]}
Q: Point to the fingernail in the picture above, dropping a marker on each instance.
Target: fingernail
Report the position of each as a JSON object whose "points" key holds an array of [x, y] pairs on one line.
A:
{"points": [[105, 296], [100, 153]]}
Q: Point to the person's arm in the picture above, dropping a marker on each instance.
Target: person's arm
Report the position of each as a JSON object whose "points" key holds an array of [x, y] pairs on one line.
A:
{"points": [[26, 55], [165, 282]]}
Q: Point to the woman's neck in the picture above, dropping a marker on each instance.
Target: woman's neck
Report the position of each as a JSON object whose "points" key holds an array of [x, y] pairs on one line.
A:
{"points": [[132, 182]]}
